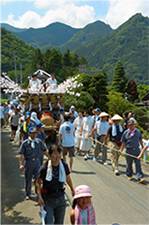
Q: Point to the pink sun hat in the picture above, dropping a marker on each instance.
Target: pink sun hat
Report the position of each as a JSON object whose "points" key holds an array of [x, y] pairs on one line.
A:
{"points": [[82, 191]]}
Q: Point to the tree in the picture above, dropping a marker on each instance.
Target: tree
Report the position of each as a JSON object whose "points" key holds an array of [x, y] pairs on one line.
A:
{"points": [[142, 90], [37, 60], [85, 79], [117, 104], [54, 61], [67, 59], [96, 86], [142, 115], [98, 90], [75, 60], [83, 102], [119, 79], [132, 91]]}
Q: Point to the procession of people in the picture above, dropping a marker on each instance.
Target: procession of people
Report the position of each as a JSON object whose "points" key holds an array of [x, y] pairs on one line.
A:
{"points": [[48, 138]]}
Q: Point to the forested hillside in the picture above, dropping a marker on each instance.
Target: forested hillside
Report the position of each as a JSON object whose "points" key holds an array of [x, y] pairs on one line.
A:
{"points": [[128, 44], [101, 46], [55, 34], [89, 34], [16, 55], [14, 51]]}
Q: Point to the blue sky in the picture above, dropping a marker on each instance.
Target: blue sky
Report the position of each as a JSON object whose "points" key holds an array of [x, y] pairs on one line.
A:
{"points": [[76, 13]]}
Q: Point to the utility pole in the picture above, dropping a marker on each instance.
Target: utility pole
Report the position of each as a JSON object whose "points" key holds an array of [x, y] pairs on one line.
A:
{"points": [[15, 67], [21, 73]]}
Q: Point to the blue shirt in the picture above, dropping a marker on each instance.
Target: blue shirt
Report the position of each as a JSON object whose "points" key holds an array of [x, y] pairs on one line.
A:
{"points": [[131, 142], [101, 127], [41, 135], [30, 153]]}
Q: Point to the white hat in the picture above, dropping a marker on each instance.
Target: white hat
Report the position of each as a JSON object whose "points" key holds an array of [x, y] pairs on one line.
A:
{"points": [[103, 114], [116, 117]]}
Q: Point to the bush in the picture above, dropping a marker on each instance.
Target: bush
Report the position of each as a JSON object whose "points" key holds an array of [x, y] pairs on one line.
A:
{"points": [[83, 102], [141, 116], [117, 104]]}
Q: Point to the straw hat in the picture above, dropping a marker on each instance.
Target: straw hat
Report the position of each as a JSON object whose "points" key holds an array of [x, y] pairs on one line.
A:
{"points": [[103, 114], [47, 120], [116, 117], [49, 127]]}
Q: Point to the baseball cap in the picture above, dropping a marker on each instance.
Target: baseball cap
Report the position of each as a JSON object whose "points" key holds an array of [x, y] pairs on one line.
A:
{"points": [[132, 121], [32, 130], [97, 110]]}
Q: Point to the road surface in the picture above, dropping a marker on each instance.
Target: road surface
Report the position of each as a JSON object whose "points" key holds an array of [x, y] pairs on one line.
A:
{"points": [[116, 200]]}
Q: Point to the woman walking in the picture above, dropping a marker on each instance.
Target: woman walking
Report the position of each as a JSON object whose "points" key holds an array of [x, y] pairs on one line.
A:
{"points": [[51, 186]]}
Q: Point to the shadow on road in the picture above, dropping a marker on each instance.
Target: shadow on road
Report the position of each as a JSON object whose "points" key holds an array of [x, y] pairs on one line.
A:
{"points": [[12, 183], [83, 172], [15, 218]]}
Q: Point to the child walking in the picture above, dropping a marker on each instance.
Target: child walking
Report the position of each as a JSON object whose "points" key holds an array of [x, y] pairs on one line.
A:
{"points": [[82, 209]]}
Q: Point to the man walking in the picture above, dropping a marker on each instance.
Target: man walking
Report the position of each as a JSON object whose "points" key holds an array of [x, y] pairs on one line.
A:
{"points": [[101, 127], [66, 139], [114, 134], [131, 140], [31, 155]]}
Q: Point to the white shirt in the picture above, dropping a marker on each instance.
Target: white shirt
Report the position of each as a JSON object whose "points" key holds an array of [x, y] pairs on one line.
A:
{"points": [[78, 124], [74, 113], [15, 119], [146, 143], [35, 84], [67, 132], [52, 82], [101, 127], [87, 124]]}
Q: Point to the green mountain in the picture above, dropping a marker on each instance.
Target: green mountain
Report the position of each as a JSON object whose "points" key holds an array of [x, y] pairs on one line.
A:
{"points": [[11, 28], [20, 60], [58, 35], [53, 35], [128, 44], [91, 33], [97, 42], [13, 50]]}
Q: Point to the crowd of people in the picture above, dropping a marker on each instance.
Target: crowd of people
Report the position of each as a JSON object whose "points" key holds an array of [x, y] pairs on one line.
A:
{"points": [[47, 138]]}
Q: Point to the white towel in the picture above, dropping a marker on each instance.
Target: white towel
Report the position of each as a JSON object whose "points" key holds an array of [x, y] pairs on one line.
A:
{"points": [[32, 141], [114, 131], [42, 214], [62, 174]]}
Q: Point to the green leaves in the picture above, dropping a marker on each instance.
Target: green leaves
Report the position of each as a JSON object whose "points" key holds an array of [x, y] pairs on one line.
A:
{"points": [[119, 79], [93, 93], [117, 104]]}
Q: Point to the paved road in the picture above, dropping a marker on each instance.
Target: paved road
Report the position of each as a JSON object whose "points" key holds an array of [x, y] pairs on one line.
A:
{"points": [[116, 199]]}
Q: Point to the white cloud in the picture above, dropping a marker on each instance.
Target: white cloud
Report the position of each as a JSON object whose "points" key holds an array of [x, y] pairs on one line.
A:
{"points": [[51, 4], [64, 11], [28, 19], [121, 10]]}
